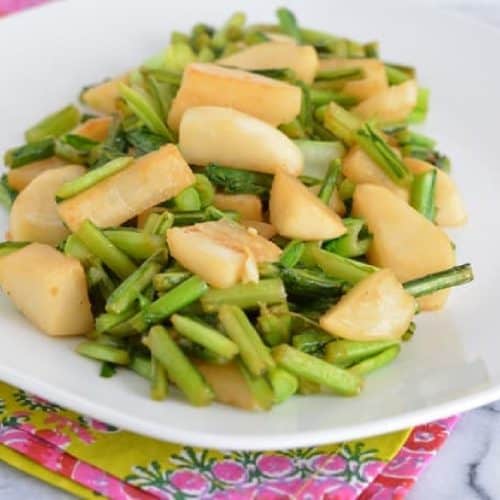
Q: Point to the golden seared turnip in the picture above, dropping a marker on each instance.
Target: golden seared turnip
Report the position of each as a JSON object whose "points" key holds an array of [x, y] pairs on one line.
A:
{"points": [[94, 128], [223, 253], [20, 177], [359, 168], [391, 105], [297, 213], [449, 204], [249, 206], [373, 81], [403, 239], [269, 100], [228, 137], [34, 215], [103, 97], [263, 229], [150, 180], [49, 288], [233, 387], [376, 308], [302, 59]]}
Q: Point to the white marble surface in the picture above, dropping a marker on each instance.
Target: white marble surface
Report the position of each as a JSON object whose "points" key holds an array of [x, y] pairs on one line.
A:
{"points": [[468, 466]]}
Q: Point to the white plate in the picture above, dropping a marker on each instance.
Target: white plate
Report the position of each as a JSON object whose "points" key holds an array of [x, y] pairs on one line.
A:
{"points": [[451, 365]]}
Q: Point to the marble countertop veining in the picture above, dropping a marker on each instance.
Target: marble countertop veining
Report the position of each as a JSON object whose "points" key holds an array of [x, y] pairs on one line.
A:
{"points": [[468, 466]]}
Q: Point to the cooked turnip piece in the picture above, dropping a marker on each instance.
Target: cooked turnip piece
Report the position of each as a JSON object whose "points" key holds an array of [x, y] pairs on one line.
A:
{"points": [[302, 59], [211, 134], [449, 204], [377, 308], [269, 100], [232, 386], [150, 180], [297, 213], [103, 97], [20, 177], [49, 288], [34, 215], [264, 229], [373, 82], [391, 105], [359, 168], [223, 253], [95, 128], [249, 206], [403, 239]]}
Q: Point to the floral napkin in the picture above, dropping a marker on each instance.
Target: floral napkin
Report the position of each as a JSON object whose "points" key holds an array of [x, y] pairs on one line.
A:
{"points": [[84, 456]]}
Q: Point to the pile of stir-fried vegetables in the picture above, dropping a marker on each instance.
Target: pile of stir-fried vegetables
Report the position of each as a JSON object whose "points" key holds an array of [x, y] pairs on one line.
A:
{"points": [[246, 215]]}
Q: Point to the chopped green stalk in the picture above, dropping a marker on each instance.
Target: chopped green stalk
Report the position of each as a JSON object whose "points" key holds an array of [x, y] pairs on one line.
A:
{"points": [[165, 222], [341, 123], [80, 143], [346, 189], [374, 145], [132, 326], [315, 37], [159, 381], [409, 333], [91, 178], [231, 30], [395, 76], [142, 107], [371, 49], [54, 125], [306, 109], [8, 247], [310, 283], [354, 243], [161, 93], [340, 267], [98, 276], [235, 181], [355, 49], [164, 76], [107, 321], [423, 193], [374, 363], [311, 342], [29, 153], [245, 295], [341, 74], [136, 244], [345, 353], [274, 324], [182, 295], [293, 129], [7, 194], [210, 213], [258, 387], [187, 200], [205, 189], [318, 156], [254, 37], [206, 54], [163, 282], [284, 384], [292, 253], [107, 369], [285, 74], [252, 350], [144, 141], [320, 97], [177, 57], [129, 290], [329, 182], [205, 335], [419, 114], [141, 365], [407, 137], [151, 223], [101, 247], [103, 352], [455, 276], [179, 369], [316, 370], [288, 24]]}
